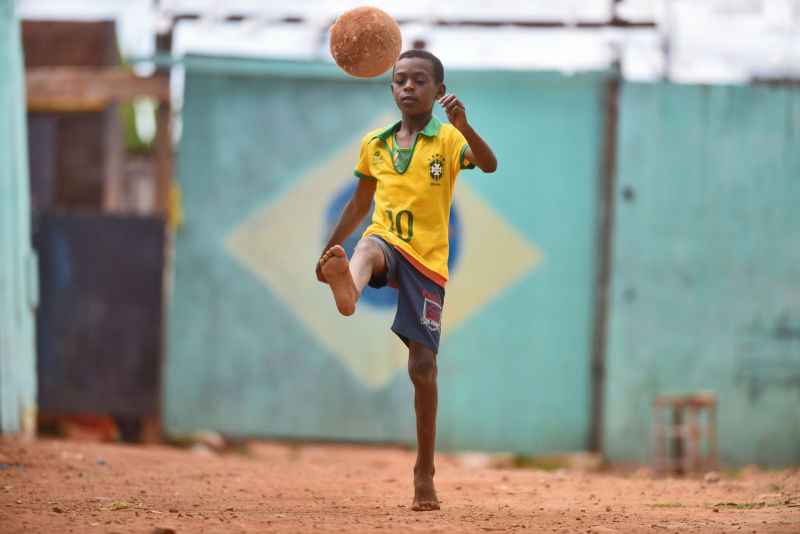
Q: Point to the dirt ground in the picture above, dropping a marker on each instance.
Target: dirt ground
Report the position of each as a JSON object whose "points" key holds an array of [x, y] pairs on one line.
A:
{"points": [[65, 486]]}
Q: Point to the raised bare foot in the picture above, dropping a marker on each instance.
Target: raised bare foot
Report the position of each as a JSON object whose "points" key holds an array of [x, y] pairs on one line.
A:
{"points": [[336, 269], [425, 499]]}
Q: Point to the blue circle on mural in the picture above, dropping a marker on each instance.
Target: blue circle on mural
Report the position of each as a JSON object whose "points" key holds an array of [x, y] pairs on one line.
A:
{"points": [[385, 297]]}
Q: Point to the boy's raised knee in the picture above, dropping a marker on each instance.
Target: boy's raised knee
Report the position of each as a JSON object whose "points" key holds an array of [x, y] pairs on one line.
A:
{"points": [[422, 366], [368, 247]]}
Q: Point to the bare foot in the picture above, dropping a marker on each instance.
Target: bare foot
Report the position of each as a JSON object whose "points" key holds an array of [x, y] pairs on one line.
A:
{"points": [[336, 270], [425, 499]]}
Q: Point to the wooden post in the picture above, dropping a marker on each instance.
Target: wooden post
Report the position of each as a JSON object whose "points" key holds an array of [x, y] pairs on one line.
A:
{"points": [[604, 237], [164, 171], [114, 172], [163, 159]]}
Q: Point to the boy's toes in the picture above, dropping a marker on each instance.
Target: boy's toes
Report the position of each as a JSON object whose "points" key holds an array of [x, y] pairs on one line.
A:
{"points": [[336, 251], [425, 506]]}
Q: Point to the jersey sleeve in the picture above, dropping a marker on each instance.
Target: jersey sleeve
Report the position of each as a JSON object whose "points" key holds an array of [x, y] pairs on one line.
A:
{"points": [[458, 147], [362, 167]]}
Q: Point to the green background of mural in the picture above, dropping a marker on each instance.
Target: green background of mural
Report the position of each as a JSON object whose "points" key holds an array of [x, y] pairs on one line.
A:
{"points": [[18, 280], [706, 266], [514, 375]]}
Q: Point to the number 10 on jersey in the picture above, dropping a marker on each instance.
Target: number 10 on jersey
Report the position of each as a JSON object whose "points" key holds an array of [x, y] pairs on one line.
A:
{"points": [[402, 224]]}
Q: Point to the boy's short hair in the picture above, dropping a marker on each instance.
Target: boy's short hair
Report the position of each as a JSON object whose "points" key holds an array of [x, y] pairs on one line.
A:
{"points": [[438, 68]]}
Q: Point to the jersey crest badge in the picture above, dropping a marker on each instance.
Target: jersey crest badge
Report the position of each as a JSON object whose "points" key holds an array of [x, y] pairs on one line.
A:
{"points": [[436, 167]]}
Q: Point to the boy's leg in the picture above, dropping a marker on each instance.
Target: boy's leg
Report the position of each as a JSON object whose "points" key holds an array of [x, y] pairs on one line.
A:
{"points": [[422, 370], [347, 279]]}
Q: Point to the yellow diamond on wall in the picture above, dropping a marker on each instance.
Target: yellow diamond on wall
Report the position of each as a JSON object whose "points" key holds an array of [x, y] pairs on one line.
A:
{"points": [[282, 241]]}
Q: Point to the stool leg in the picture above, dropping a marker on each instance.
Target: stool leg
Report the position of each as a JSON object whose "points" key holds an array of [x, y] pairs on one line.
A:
{"points": [[692, 440], [712, 437], [677, 440]]}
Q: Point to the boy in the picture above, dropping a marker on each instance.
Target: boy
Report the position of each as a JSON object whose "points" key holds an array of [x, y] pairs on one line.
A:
{"points": [[409, 169]]}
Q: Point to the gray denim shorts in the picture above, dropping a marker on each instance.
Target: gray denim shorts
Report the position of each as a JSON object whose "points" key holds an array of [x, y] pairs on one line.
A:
{"points": [[420, 301]]}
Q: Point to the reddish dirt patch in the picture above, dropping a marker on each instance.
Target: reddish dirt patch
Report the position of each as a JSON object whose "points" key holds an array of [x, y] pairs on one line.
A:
{"points": [[62, 486]]}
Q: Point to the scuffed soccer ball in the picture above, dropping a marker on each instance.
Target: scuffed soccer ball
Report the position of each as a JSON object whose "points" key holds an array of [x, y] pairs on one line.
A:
{"points": [[365, 42]]}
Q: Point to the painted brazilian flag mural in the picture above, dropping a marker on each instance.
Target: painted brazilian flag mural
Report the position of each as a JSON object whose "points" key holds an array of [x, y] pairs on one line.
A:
{"points": [[256, 346]]}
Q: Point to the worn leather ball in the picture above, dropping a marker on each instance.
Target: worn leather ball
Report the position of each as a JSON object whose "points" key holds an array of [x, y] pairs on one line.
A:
{"points": [[365, 42]]}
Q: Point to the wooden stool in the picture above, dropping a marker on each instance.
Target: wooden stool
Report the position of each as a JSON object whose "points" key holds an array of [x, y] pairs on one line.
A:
{"points": [[680, 432]]}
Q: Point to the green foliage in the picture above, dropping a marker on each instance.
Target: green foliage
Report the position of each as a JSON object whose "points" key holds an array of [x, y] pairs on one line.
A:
{"points": [[133, 143]]}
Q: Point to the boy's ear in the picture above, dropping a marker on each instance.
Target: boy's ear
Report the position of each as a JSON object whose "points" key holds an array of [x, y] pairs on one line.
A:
{"points": [[441, 91]]}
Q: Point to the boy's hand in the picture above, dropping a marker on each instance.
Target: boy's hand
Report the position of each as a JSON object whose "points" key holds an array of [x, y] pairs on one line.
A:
{"points": [[478, 152], [456, 113]]}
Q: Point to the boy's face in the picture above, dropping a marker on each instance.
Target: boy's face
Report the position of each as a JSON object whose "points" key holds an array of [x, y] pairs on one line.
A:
{"points": [[414, 87]]}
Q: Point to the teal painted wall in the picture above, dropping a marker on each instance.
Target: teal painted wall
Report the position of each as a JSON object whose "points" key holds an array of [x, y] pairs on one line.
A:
{"points": [[255, 345], [516, 376], [706, 274], [18, 279]]}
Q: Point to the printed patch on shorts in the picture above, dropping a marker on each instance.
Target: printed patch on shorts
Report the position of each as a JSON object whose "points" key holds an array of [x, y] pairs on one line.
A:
{"points": [[431, 311]]}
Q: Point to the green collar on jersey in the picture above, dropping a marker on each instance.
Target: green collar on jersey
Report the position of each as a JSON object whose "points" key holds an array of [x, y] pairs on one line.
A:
{"points": [[431, 129], [401, 157]]}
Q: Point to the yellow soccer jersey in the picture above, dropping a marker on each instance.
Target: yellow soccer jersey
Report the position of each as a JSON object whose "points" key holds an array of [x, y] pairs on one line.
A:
{"points": [[414, 191]]}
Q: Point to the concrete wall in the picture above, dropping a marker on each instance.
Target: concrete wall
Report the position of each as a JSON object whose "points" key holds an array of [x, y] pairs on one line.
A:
{"points": [[706, 274]]}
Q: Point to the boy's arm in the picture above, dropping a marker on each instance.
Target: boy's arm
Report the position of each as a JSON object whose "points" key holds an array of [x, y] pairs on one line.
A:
{"points": [[353, 213], [478, 151]]}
